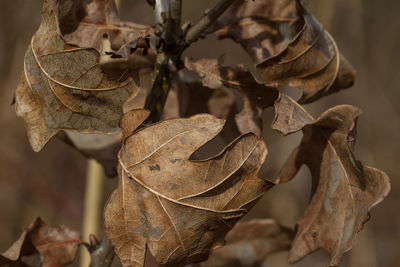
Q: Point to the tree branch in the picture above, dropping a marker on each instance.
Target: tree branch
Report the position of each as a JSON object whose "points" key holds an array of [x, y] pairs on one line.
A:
{"points": [[173, 29], [211, 16]]}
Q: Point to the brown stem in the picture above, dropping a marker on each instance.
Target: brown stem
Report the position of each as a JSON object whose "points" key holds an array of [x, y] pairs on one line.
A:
{"points": [[210, 17]]}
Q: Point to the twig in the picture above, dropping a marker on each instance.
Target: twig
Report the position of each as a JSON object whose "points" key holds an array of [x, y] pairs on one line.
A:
{"points": [[211, 16]]}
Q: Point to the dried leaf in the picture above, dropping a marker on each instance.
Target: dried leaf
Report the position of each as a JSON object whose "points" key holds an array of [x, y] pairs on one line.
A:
{"points": [[249, 243], [56, 246], [289, 45], [256, 96], [63, 88], [343, 189], [180, 208]]}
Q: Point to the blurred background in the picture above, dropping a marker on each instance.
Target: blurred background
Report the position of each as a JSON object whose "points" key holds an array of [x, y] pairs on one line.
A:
{"points": [[51, 184]]}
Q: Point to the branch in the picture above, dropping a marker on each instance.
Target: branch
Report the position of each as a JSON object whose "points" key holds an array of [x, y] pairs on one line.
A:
{"points": [[210, 17], [173, 28]]}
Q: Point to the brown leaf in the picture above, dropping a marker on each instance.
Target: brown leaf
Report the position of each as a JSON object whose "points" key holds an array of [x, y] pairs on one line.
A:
{"points": [[289, 45], [343, 189], [56, 246], [249, 243], [63, 88], [180, 208], [256, 96]]}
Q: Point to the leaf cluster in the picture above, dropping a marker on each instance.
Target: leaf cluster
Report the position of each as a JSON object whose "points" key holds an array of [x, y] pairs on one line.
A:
{"points": [[87, 80]]}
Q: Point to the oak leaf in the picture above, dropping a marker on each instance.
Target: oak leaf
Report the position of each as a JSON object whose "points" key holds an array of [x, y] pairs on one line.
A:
{"points": [[56, 246], [249, 243], [179, 208], [343, 189], [64, 88], [289, 46]]}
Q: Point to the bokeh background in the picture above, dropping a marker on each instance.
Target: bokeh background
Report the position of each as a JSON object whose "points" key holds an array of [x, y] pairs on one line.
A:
{"points": [[51, 184]]}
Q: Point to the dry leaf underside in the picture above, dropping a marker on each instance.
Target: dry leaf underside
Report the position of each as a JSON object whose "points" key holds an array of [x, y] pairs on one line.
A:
{"points": [[180, 208]]}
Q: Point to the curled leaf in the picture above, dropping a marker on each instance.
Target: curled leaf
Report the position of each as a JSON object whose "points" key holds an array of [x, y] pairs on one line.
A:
{"points": [[56, 246], [249, 243], [180, 208], [343, 189], [63, 88], [289, 46]]}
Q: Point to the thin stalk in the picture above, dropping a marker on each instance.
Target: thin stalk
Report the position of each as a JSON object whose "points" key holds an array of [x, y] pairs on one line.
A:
{"points": [[103, 255], [210, 17], [92, 206]]}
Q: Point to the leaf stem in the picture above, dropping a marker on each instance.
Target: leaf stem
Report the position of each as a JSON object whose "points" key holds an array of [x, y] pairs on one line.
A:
{"points": [[103, 255], [208, 18]]}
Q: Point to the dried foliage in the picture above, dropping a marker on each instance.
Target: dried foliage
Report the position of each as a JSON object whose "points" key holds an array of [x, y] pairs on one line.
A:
{"points": [[87, 78], [249, 243], [55, 246], [180, 208]]}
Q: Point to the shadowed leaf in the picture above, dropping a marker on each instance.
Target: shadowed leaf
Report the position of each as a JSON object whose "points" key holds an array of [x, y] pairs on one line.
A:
{"points": [[180, 208], [289, 46], [85, 23], [256, 96]]}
